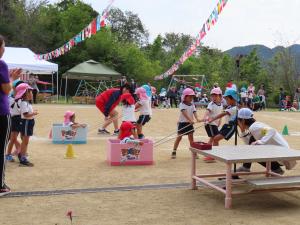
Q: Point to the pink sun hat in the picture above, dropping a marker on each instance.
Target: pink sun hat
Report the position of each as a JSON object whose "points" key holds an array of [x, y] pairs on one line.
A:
{"points": [[216, 91], [68, 115], [142, 94], [187, 92], [21, 90]]}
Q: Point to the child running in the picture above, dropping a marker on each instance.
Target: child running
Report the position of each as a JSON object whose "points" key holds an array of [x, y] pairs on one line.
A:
{"points": [[230, 114], [143, 105], [24, 92], [257, 133], [214, 108], [15, 123], [186, 119], [128, 108]]}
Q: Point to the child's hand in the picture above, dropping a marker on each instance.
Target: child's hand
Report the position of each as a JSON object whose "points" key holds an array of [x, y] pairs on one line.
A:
{"points": [[141, 143], [259, 142], [35, 112], [210, 120], [83, 125], [200, 121]]}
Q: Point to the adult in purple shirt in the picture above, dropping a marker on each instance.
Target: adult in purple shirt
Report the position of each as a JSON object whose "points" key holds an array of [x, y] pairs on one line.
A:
{"points": [[5, 88]]}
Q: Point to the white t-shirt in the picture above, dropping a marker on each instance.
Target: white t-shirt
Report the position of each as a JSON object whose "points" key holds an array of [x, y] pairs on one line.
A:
{"points": [[251, 91], [14, 107], [267, 135], [145, 108], [243, 94], [129, 140], [231, 110], [234, 87], [190, 109], [26, 107], [69, 124], [150, 106], [128, 113], [214, 110]]}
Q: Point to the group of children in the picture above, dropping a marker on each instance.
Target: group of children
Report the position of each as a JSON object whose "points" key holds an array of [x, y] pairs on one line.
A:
{"points": [[22, 122], [130, 105], [212, 117], [252, 132]]}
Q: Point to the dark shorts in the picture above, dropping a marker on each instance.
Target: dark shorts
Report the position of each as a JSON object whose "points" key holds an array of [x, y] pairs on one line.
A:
{"points": [[211, 130], [27, 127], [143, 119], [244, 100], [185, 129], [16, 124], [227, 131]]}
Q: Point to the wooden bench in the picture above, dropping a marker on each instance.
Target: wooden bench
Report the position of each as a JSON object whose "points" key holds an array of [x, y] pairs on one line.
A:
{"points": [[275, 182]]}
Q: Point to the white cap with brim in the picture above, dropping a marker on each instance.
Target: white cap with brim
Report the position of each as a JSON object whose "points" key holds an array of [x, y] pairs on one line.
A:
{"points": [[245, 113]]}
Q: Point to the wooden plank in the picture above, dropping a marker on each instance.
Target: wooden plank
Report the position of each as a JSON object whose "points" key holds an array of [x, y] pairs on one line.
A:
{"points": [[275, 182]]}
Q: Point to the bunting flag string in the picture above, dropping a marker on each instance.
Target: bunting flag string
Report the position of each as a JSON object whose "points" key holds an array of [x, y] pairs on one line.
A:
{"points": [[90, 30], [207, 26]]}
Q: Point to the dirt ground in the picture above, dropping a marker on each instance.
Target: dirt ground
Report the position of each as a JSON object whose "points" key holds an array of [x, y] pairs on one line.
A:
{"points": [[171, 206]]}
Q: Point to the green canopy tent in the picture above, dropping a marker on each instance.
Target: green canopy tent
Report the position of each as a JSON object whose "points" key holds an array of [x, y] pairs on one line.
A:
{"points": [[94, 78]]}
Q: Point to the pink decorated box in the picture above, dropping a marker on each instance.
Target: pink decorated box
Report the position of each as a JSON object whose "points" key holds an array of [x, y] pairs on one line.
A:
{"points": [[129, 154]]}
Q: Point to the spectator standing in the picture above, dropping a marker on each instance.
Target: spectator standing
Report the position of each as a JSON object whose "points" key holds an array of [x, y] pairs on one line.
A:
{"points": [[281, 99], [262, 96], [33, 83], [297, 97], [251, 92], [133, 85], [172, 95]]}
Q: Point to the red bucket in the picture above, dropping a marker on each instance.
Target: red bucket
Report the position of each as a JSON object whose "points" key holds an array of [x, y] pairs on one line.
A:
{"points": [[201, 145]]}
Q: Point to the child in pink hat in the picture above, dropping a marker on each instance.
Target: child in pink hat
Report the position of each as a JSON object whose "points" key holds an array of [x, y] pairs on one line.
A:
{"points": [[24, 93], [144, 106], [69, 121], [214, 108], [186, 119]]}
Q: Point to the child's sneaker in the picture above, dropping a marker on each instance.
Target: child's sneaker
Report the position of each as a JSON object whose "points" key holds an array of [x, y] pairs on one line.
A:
{"points": [[173, 155], [278, 171], [116, 132], [9, 158], [25, 162], [103, 131], [141, 136], [208, 159], [243, 169], [4, 190]]}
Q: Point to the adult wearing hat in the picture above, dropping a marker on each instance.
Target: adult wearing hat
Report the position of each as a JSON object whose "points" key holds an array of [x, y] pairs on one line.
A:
{"points": [[106, 102]]}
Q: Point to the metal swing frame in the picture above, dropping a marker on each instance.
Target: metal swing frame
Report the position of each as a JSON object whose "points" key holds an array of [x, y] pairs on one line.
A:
{"points": [[181, 77]]}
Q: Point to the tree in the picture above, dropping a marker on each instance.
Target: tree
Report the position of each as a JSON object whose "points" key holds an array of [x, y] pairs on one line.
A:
{"points": [[176, 44], [128, 27]]}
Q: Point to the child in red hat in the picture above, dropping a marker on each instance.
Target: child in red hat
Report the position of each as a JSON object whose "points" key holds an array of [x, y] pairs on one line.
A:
{"points": [[128, 133]]}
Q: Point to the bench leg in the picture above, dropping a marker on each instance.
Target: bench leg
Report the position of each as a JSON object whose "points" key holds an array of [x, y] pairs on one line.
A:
{"points": [[228, 196], [268, 169], [193, 171]]}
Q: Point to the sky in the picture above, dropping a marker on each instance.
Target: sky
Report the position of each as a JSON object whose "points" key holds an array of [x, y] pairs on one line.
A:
{"points": [[243, 22]]}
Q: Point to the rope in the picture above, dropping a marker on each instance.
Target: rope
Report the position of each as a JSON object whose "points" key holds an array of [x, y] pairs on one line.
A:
{"points": [[158, 143], [172, 134]]}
